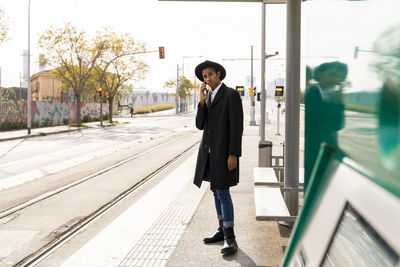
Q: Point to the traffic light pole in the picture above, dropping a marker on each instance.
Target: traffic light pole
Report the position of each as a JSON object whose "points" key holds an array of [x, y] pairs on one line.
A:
{"points": [[101, 109], [253, 103]]}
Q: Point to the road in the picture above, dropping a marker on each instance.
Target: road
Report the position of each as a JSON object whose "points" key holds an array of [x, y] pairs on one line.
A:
{"points": [[36, 166]]}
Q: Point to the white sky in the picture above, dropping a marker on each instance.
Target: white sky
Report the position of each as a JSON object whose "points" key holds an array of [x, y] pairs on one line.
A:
{"points": [[216, 31]]}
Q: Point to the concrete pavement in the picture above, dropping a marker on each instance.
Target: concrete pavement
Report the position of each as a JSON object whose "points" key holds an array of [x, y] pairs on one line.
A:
{"points": [[261, 243]]}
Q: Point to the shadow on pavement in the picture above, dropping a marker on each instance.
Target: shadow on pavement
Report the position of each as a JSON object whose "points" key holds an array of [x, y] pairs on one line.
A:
{"points": [[242, 259]]}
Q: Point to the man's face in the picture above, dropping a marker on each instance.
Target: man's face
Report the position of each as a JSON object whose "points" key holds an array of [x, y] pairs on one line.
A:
{"points": [[211, 77], [331, 78]]}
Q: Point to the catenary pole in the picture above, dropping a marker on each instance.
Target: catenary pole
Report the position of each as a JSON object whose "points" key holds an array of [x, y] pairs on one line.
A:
{"points": [[262, 109], [253, 104], [292, 114]]}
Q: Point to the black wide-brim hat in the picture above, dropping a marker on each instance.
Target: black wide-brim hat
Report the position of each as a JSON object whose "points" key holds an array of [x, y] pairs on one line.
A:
{"points": [[209, 64]]}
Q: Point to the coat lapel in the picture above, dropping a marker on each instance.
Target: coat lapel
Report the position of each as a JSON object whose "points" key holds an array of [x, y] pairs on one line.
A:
{"points": [[220, 93]]}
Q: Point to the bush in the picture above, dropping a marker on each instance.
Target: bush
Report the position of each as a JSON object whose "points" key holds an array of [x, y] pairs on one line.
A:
{"points": [[11, 125], [65, 121], [87, 118], [154, 108], [106, 117]]}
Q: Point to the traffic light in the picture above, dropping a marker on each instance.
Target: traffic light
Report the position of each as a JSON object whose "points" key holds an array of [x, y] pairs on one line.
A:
{"points": [[161, 52], [99, 91], [240, 90], [252, 91]]}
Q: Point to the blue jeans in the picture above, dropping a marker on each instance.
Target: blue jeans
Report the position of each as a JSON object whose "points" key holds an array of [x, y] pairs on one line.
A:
{"points": [[224, 206]]}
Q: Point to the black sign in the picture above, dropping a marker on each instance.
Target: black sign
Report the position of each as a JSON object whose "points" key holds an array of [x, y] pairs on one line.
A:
{"points": [[279, 91]]}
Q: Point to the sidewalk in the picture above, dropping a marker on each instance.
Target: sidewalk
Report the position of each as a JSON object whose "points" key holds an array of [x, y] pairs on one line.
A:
{"points": [[21, 134], [43, 131], [261, 243]]}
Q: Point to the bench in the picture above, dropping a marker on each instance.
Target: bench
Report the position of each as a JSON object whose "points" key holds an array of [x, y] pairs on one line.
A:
{"points": [[269, 202], [267, 177]]}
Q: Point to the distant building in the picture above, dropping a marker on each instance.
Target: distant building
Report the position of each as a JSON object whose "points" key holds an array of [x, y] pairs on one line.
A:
{"points": [[45, 87]]}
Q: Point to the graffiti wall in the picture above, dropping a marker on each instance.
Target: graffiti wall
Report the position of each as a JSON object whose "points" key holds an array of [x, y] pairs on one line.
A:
{"points": [[13, 110], [46, 113]]}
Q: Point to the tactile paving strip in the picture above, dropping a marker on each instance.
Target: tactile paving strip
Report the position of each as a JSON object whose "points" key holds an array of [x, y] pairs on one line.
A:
{"points": [[159, 242]]}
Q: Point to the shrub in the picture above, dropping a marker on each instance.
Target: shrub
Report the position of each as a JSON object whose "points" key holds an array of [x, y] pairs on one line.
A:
{"points": [[87, 118], [11, 125], [74, 124], [153, 108]]}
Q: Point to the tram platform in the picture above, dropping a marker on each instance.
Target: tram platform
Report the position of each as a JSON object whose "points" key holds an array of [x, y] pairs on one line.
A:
{"points": [[261, 243], [171, 232]]}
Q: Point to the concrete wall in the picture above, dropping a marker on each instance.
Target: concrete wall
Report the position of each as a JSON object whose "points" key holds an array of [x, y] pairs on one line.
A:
{"points": [[147, 98]]}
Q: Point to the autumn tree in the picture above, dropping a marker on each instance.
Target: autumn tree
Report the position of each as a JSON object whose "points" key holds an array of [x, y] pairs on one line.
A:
{"points": [[119, 65], [73, 57], [3, 27], [185, 86]]}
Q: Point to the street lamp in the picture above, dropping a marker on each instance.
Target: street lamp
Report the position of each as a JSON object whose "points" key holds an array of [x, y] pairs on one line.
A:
{"points": [[29, 69]]}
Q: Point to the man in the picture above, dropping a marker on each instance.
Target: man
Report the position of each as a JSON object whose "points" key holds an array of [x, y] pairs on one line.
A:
{"points": [[220, 116]]}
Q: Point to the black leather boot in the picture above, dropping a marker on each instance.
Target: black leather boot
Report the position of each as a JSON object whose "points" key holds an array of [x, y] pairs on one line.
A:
{"points": [[230, 245], [218, 236]]}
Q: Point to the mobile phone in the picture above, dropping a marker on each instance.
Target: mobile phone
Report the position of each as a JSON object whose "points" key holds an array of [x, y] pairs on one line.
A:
{"points": [[207, 88]]}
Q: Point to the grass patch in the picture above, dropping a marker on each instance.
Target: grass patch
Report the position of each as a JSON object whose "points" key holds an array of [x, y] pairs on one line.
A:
{"points": [[153, 108], [74, 124]]}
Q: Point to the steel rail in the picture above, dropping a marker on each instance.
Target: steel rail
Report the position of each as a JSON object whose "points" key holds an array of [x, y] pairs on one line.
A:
{"points": [[49, 194], [45, 251]]}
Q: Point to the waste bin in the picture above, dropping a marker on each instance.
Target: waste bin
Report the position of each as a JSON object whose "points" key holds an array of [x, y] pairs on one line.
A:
{"points": [[265, 154]]}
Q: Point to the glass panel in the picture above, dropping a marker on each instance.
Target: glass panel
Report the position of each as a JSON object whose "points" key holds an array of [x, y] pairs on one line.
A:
{"points": [[356, 243]]}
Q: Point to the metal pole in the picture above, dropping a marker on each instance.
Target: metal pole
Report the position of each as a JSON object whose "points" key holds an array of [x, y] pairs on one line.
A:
{"points": [[177, 89], [262, 123], [292, 123], [29, 69], [183, 66], [278, 118], [253, 104], [20, 85], [101, 109]]}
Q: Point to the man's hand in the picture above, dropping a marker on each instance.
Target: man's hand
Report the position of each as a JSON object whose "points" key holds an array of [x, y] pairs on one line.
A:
{"points": [[203, 94], [232, 162]]}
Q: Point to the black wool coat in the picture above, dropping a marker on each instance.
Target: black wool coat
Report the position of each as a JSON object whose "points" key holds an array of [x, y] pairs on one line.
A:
{"points": [[222, 125]]}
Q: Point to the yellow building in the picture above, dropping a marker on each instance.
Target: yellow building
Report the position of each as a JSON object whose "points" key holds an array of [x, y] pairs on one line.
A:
{"points": [[45, 87]]}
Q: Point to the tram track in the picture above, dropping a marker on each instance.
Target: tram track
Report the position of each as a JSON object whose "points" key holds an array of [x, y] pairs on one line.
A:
{"points": [[36, 257], [56, 191]]}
